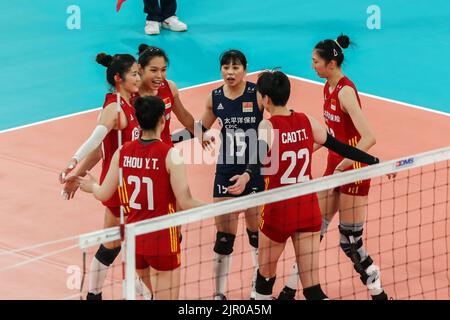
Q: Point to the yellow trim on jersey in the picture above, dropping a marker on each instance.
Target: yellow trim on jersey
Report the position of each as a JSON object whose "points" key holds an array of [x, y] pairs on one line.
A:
{"points": [[125, 190], [266, 183], [261, 220], [173, 231], [171, 239], [119, 191]]}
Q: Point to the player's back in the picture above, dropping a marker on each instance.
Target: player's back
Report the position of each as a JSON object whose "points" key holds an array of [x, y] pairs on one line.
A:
{"points": [[292, 147], [148, 192]]}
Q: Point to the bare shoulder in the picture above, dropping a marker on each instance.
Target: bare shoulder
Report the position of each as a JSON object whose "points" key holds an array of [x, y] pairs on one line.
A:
{"points": [[173, 87]]}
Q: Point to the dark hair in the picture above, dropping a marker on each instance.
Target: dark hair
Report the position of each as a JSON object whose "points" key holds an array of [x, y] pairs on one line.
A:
{"points": [[332, 50], [118, 64], [276, 85], [233, 56], [149, 110], [147, 53]]}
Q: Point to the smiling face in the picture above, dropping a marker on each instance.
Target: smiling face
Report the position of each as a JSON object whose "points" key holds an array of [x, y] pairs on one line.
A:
{"points": [[132, 79], [154, 73]]}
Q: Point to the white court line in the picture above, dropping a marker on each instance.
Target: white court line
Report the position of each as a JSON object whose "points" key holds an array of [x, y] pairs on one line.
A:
{"points": [[377, 97], [216, 81]]}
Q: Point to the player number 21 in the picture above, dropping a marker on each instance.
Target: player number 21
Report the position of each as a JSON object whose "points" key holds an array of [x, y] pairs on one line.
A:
{"points": [[137, 188], [292, 156]]}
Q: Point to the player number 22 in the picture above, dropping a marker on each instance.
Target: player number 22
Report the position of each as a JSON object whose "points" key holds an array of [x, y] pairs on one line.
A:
{"points": [[301, 154], [137, 188]]}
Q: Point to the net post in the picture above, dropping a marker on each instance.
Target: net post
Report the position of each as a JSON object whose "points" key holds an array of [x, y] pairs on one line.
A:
{"points": [[130, 263]]}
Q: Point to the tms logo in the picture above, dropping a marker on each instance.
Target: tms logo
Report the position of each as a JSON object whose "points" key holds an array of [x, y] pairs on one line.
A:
{"points": [[405, 162]]}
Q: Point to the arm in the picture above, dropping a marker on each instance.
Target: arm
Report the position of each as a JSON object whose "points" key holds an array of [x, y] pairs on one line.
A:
{"points": [[349, 104], [185, 117], [178, 181], [323, 138], [106, 122], [71, 183], [265, 141], [207, 120], [104, 191]]}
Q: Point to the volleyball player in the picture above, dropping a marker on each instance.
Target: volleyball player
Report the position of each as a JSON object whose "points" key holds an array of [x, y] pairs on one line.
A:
{"points": [[235, 106], [346, 122], [153, 63], [154, 180], [288, 138], [122, 74]]}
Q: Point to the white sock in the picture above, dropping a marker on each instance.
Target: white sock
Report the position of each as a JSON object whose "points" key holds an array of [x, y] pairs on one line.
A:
{"points": [[374, 281], [142, 290], [292, 281], [263, 296], [97, 276], [221, 268], [254, 252]]}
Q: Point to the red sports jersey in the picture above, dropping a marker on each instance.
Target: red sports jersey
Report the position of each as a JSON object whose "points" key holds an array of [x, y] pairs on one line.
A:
{"points": [[293, 141], [166, 95], [340, 125], [110, 143], [148, 193]]}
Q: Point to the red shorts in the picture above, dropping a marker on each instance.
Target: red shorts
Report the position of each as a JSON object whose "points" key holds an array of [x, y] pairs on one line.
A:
{"points": [[159, 250], [280, 220], [357, 188], [160, 263]]}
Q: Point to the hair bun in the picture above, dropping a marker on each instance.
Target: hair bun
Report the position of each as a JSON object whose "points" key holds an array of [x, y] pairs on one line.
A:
{"points": [[104, 59], [344, 41], [142, 48]]}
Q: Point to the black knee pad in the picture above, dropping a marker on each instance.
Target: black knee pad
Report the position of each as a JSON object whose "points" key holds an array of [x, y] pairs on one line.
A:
{"points": [[264, 286], [253, 238], [314, 293], [107, 256], [224, 243]]}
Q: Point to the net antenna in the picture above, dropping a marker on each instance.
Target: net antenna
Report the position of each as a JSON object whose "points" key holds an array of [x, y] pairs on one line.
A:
{"points": [[122, 217]]}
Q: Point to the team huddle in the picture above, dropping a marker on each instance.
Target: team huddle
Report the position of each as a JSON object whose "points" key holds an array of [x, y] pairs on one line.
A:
{"points": [[143, 176]]}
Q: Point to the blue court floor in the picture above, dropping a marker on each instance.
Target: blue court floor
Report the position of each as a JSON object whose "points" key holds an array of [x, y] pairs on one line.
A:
{"points": [[49, 47]]}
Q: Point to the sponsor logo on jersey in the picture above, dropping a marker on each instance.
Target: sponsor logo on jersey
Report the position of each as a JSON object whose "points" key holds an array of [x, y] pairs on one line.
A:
{"points": [[167, 102], [251, 89], [333, 104], [220, 106], [217, 92], [247, 106], [135, 134]]}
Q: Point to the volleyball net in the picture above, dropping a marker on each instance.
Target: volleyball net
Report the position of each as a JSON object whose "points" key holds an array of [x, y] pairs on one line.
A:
{"points": [[406, 234]]}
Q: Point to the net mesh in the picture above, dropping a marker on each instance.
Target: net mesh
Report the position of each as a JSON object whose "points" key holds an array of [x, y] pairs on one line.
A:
{"points": [[406, 233]]}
